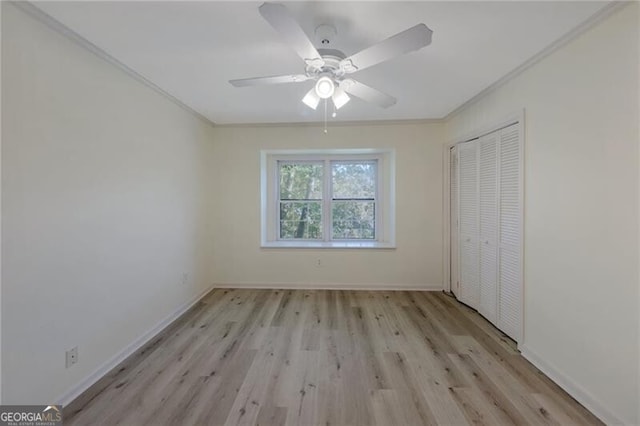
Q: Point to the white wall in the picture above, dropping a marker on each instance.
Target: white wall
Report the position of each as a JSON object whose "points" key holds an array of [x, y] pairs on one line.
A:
{"points": [[104, 207], [417, 261], [581, 210]]}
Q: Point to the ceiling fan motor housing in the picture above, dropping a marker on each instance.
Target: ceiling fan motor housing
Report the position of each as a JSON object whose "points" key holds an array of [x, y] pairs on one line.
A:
{"points": [[332, 64]]}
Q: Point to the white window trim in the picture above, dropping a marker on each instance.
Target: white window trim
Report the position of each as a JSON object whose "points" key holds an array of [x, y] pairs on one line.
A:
{"points": [[385, 196]]}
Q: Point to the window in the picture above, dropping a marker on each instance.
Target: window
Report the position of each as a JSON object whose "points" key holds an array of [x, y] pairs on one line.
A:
{"points": [[350, 201], [353, 199], [327, 199], [300, 201]]}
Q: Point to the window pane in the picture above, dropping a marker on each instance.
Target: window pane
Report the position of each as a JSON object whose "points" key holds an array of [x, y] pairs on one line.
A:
{"points": [[301, 220], [354, 179], [353, 220], [300, 181]]}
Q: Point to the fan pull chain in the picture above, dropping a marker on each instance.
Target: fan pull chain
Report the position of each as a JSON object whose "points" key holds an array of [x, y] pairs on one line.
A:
{"points": [[325, 116]]}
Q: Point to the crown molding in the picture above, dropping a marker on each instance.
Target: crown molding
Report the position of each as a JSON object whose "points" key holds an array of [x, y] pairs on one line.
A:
{"points": [[38, 14], [592, 21]]}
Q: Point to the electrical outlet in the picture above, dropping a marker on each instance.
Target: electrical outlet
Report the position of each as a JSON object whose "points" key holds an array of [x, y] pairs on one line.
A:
{"points": [[185, 278], [319, 263], [72, 356]]}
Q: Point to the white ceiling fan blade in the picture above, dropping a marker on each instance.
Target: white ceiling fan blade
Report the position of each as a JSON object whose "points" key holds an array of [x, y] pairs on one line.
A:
{"points": [[407, 41], [276, 79], [311, 99], [284, 23], [367, 93]]}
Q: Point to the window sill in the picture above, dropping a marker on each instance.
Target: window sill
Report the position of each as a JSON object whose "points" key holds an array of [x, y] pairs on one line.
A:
{"points": [[328, 244]]}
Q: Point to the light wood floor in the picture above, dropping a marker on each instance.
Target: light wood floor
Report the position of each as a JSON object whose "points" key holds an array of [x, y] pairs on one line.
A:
{"points": [[272, 357]]}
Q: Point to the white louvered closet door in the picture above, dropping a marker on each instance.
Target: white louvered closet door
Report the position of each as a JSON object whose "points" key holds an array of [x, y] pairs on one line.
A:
{"points": [[488, 197], [453, 218], [510, 286], [469, 287]]}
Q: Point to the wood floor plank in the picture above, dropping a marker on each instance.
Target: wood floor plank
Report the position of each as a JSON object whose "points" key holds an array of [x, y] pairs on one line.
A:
{"points": [[555, 410], [307, 357], [495, 400], [390, 408], [403, 379], [214, 404], [473, 407], [272, 416]]}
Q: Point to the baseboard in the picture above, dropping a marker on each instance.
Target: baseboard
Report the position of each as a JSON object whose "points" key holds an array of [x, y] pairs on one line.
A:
{"points": [[332, 286], [92, 378], [573, 389]]}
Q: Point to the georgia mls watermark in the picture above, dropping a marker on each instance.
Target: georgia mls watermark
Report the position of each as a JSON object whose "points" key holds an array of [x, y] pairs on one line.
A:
{"points": [[30, 415]]}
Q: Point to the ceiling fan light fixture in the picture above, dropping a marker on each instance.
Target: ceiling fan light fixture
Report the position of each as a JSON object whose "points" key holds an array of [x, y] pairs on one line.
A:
{"points": [[311, 99], [340, 97], [325, 87]]}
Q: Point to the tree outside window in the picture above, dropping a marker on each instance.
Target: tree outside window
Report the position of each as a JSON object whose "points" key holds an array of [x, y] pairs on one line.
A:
{"points": [[327, 199]]}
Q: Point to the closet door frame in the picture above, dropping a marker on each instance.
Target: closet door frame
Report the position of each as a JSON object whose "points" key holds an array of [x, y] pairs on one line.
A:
{"points": [[513, 118]]}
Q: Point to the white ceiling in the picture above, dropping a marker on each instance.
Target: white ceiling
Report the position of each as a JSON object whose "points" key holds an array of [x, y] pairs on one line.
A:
{"points": [[192, 49]]}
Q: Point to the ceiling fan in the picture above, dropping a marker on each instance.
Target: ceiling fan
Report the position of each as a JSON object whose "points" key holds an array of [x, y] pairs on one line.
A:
{"points": [[330, 68]]}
